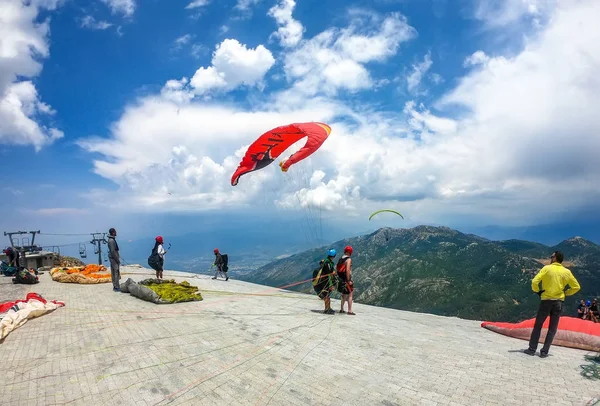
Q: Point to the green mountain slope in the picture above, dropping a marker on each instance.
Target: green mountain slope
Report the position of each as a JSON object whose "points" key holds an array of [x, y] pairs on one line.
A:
{"points": [[442, 271]]}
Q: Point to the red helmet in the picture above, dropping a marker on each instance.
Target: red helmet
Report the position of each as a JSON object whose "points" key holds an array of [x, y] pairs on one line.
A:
{"points": [[216, 251], [348, 249], [159, 239]]}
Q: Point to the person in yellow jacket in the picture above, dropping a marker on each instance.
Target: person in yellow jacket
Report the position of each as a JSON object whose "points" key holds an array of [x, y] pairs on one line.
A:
{"points": [[554, 278]]}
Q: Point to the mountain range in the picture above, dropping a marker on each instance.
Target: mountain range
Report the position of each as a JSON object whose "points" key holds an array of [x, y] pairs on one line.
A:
{"points": [[442, 271]]}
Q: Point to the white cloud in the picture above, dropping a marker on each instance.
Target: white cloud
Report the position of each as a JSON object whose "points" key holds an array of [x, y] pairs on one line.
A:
{"points": [[290, 31], [414, 79], [436, 78], [176, 91], [523, 149], [23, 41], [181, 41], [477, 58], [198, 50], [233, 65], [197, 4], [498, 14], [125, 7], [334, 59], [245, 5], [91, 23]]}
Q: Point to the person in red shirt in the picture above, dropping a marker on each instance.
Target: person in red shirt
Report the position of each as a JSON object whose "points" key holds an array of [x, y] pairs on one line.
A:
{"points": [[345, 284]]}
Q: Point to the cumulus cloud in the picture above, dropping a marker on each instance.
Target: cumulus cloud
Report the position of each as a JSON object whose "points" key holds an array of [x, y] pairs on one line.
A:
{"points": [[290, 31], [125, 7], [477, 58], [335, 58], [522, 150], [23, 41], [233, 65]]}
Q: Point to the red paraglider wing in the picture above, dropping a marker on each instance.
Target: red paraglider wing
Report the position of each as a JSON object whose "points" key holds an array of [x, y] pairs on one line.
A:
{"points": [[271, 144], [572, 332]]}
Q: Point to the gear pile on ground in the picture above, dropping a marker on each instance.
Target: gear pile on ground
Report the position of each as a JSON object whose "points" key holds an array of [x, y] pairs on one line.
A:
{"points": [[15, 314], [25, 276], [161, 291], [66, 262], [82, 274]]}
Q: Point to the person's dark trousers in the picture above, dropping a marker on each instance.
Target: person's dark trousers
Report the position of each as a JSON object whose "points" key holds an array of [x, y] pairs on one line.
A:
{"points": [[552, 308], [115, 273]]}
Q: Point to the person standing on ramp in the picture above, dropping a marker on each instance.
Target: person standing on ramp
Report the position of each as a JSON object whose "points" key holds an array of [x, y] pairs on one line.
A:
{"points": [[345, 283], [115, 259], [554, 278], [219, 263]]}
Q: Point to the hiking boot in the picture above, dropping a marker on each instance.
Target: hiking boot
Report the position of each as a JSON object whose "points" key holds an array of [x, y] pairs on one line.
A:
{"points": [[529, 351]]}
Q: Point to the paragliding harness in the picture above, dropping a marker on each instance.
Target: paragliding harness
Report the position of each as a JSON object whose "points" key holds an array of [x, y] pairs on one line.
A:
{"points": [[224, 266], [344, 286], [155, 261], [25, 277], [323, 284]]}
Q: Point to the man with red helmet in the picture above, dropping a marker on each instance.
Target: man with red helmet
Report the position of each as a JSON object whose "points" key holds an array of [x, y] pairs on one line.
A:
{"points": [[345, 284], [13, 257]]}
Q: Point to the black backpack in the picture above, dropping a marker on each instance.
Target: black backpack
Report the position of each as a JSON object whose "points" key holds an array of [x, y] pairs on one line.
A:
{"points": [[154, 260], [25, 277], [224, 266]]}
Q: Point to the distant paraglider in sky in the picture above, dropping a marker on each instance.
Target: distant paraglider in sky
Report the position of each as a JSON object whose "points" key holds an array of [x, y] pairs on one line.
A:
{"points": [[274, 142], [385, 210]]}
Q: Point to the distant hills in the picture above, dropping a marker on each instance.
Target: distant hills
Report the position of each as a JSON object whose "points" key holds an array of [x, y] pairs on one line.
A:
{"points": [[442, 271]]}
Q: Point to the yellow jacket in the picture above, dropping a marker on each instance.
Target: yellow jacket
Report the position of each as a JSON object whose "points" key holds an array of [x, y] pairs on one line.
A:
{"points": [[554, 278]]}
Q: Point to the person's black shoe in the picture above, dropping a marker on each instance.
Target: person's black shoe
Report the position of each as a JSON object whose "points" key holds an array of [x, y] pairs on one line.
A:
{"points": [[529, 351], [543, 354]]}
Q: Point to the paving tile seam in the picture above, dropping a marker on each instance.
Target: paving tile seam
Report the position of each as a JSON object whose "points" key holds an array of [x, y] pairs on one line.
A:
{"points": [[247, 360]]}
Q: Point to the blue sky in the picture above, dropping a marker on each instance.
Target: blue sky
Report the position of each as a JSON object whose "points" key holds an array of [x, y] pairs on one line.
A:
{"points": [[465, 113]]}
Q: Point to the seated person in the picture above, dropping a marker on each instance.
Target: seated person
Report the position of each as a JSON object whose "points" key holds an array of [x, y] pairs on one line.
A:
{"points": [[580, 309], [594, 307]]}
